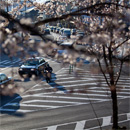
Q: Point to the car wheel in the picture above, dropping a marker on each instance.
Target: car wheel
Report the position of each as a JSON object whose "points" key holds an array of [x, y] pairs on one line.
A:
{"points": [[21, 75], [29, 75]]}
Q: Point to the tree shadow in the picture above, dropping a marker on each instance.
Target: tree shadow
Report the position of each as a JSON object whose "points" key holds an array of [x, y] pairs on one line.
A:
{"points": [[10, 105], [56, 86]]}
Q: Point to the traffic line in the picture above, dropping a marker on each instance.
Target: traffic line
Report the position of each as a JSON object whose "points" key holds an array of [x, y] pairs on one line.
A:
{"points": [[80, 125], [128, 116], [105, 93], [63, 97], [51, 101], [52, 127], [106, 121], [42, 106], [4, 61], [72, 81]]}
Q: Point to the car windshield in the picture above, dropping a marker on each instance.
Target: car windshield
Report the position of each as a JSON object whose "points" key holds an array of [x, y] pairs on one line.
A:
{"points": [[80, 32], [3, 77], [67, 31], [31, 62]]}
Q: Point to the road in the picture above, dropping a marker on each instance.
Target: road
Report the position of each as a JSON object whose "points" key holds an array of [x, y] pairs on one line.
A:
{"points": [[72, 101], [68, 102]]}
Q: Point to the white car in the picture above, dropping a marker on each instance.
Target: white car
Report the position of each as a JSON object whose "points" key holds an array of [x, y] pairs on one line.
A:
{"points": [[66, 43], [61, 39]]}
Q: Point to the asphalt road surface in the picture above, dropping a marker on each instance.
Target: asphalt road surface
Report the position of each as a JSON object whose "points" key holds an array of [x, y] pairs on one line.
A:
{"points": [[72, 101]]}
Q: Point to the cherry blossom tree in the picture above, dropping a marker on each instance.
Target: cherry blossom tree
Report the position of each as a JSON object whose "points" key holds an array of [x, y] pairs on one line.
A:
{"points": [[107, 34]]}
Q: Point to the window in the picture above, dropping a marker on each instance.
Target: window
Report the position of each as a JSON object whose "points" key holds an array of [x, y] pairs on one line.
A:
{"points": [[31, 62]]}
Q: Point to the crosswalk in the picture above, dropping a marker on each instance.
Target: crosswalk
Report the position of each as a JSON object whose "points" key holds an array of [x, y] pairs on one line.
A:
{"points": [[79, 87], [67, 90], [5, 64]]}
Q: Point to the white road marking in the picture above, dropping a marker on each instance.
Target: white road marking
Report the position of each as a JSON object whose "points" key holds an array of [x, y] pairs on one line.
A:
{"points": [[74, 81], [8, 62], [128, 116], [52, 127], [28, 105], [107, 94], [62, 97], [44, 106], [68, 86], [106, 121], [53, 101], [80, 125], [3, 61]]}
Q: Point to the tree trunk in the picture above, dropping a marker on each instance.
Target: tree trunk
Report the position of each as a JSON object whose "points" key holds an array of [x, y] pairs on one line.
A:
{"points": [[115, 107]]}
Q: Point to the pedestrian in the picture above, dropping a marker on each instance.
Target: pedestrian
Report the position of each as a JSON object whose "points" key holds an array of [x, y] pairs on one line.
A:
{"points": [[48, 68]]}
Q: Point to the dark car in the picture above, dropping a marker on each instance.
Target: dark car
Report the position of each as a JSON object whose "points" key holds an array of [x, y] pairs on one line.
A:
{"points": [[73, 31], [32, 66], [67, 32], [80, 34], [46, 31]]}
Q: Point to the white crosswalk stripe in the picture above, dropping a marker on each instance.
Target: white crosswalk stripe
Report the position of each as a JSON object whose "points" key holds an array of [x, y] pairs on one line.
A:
{"points": [[68, 90], [45, 97]]}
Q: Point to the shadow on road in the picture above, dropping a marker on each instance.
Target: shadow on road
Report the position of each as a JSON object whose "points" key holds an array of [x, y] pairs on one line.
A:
{"points": [[56, 86], [10, 105]]}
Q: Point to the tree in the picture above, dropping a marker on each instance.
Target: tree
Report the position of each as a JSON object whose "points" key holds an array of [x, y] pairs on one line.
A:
{"points": [[106, 26]]}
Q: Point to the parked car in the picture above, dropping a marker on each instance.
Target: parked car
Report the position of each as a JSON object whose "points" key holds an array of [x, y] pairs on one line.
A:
{"points": [[46, 31], [67, 32], [57, 30], [80, 35], [73, 31], [61, 39], [32, 66], [80, 46], [79, 59], [4, 82], [51, 28], [61, 31], [54, 29]]}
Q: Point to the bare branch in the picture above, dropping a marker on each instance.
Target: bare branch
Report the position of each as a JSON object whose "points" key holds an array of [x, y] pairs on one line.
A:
{"points": [[119, 73], [103, 72], [121, 44], [30, 28], [76, 13]]}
